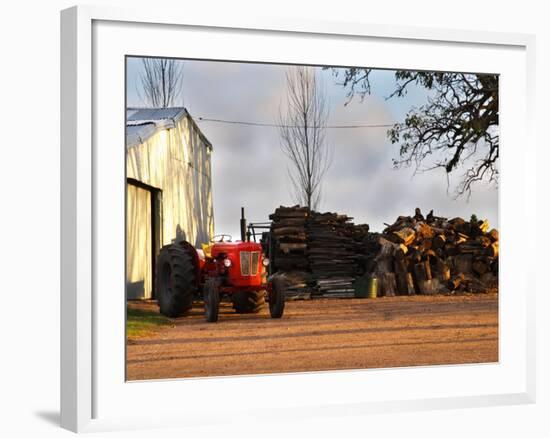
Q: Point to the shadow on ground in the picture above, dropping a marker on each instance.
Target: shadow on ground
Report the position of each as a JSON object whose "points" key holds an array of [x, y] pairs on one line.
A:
{"points": [[51, 417]]}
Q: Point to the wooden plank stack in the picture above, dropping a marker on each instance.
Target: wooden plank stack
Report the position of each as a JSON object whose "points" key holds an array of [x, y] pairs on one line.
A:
{"points": [[289, 248], [334, 253], [289, 238], [436, 255], [327, 247], [298, 285]]}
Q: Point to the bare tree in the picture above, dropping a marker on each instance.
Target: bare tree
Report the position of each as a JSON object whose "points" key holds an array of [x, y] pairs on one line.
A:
{"points": [[161, 82], [302, 128]]}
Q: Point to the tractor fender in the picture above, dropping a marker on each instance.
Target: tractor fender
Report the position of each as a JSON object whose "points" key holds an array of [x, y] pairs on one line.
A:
{"points": [[191, 250]]}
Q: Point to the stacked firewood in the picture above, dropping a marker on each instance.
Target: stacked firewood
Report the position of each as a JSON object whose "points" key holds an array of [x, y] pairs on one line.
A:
{"points": [[320, 253], [334, 253], [323, 254], [428, 255], [289, 246], [298, 284], [288, 231]]}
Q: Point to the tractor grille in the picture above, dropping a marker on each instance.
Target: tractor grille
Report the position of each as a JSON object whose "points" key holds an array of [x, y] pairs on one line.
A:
{"points": [[255, 257], [249, 262], [245, 263]]}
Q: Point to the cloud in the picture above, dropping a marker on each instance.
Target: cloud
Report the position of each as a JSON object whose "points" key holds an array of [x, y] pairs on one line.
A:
{"points": [[250, 170]]}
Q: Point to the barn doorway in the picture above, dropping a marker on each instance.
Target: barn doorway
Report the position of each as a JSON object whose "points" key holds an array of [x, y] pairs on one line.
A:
{"points": [[143, 238]]}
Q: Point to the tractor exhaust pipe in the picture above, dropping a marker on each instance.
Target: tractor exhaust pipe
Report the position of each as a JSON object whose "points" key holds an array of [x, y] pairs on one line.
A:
{"points": [[243, 226]]}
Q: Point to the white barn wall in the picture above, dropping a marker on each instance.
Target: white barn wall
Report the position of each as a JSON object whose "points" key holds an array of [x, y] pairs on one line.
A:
{"points": [[177, 162]]}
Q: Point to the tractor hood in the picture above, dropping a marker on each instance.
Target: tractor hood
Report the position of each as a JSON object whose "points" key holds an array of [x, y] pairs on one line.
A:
{"points": [[234, 247], [246, 262]]}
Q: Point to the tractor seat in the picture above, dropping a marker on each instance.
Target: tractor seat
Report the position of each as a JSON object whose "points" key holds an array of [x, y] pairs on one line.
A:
{"points": [[207, 249]]}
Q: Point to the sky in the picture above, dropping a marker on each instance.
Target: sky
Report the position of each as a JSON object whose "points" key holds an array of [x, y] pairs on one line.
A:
{"points": [[250, 170]]}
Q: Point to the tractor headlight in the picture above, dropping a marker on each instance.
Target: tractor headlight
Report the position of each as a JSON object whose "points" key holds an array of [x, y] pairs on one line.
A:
{"points": [[265, 261], [227, 263]]}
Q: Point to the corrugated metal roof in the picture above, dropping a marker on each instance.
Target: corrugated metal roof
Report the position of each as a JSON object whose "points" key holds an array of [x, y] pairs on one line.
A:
{"points": [[137, 134], [142, 123], [133, 114]]}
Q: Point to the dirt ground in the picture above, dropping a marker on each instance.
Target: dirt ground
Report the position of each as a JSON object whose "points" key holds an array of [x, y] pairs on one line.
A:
{"points": [[326, 334]]}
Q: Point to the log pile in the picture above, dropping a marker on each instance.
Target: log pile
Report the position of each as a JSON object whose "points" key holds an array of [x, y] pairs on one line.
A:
{"points": [[323, 254], [335, 253], [436, 255], [289, 238], [327, 247], [289, 246]]}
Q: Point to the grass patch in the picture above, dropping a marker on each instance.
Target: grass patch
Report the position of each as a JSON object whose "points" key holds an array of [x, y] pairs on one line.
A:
{"points": [[140, 323]]}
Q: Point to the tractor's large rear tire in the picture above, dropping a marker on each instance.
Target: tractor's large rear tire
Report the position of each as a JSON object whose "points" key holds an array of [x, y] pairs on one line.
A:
{"points": [[175, 283], [248, 302]]}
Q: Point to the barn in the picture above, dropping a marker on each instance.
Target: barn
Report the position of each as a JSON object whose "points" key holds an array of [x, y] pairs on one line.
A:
{"points": [[169, 190]]}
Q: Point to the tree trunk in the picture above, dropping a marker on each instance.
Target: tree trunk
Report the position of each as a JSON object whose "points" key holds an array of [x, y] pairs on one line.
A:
{"points": [[404, 279], [390, 285], [429, 287], [463, 263], [479, 266], [455, 282], [422, 274], [492, 250], [404, 236], [422, 271], [438, 241], [405, 283], [443, 271]]}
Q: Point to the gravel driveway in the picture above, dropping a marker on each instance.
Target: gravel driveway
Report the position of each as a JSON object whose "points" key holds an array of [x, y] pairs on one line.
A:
{"points": [[322, 335]]}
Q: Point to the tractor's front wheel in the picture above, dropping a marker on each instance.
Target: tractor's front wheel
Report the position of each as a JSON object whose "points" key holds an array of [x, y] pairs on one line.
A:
{"points": [[277, 298], [247, 301], [211, 300], [175, 282]]}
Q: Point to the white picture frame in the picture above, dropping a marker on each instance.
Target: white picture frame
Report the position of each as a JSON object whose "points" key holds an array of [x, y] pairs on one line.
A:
{"points": [[94, 396]]}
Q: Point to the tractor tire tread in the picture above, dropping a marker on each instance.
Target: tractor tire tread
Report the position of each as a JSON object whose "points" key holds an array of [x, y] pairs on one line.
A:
{"points": [[183, 277], [248, 302]]}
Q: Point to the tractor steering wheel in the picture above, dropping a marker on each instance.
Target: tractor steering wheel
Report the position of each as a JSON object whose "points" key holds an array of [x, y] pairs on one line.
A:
{"points": [[221, 238]]}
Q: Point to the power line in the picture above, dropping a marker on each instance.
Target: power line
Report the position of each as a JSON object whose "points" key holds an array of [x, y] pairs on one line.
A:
{"points": [[274, 125]]}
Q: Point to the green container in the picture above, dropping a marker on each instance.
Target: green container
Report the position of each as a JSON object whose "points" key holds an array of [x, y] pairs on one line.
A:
{"points": [[372, 288], [366, 287]]}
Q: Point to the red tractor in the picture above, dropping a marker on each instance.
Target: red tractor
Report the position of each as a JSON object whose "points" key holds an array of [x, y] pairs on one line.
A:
{"points": [[237, 270]]}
